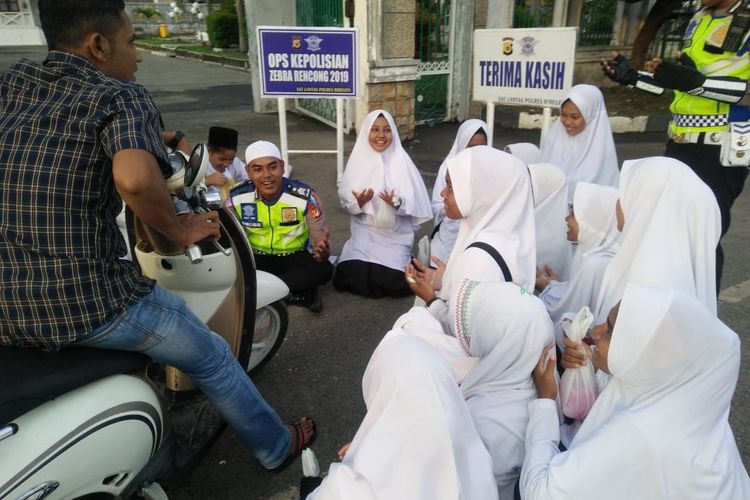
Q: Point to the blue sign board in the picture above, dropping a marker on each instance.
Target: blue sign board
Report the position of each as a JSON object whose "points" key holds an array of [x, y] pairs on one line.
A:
{"points": [[307, 62]]}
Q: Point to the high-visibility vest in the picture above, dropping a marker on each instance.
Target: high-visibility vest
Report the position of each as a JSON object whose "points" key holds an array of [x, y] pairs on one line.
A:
{"points": [[699, 114], [274, 228]]}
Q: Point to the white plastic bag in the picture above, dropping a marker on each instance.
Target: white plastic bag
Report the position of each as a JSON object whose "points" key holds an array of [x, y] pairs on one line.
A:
{"points": [[385, 218], [578, 389]]}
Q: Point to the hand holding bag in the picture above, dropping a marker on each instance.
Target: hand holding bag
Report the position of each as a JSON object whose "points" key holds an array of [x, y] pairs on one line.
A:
{"points": [[578, 389]]}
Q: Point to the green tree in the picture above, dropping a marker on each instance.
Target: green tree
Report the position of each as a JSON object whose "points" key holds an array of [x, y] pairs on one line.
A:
{"points": [[147, 13]]}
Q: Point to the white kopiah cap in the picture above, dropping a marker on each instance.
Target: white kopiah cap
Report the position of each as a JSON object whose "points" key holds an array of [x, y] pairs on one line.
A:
{"points": [[260, 149]]}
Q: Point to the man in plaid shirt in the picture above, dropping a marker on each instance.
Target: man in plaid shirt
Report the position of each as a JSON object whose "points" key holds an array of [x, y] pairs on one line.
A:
{"points": [[78, 136]]}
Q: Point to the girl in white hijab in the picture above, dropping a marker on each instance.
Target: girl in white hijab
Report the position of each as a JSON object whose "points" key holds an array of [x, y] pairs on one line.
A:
{"points": [[417, 440], [506, 327], [671, 228], [659, 430], [581, 142], [550, 191], [525, 151], [384, 193], [489, 191], [471, 133], [593, 224]]}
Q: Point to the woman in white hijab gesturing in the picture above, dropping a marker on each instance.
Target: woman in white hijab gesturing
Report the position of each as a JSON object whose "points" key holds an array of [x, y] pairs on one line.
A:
{"points": [[581, 142], [659, 430], [471, 133], [417, 440], [506, 327], [670, 231], [489, 191], [386, 197]]}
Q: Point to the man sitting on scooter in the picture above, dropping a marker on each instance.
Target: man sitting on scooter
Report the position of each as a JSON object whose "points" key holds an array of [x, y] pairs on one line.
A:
{"points": [[76, 135], [285, 225]]}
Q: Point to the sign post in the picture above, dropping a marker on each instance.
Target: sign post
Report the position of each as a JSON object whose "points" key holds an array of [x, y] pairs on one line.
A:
{"points": [[309, 62], [523, 67]]}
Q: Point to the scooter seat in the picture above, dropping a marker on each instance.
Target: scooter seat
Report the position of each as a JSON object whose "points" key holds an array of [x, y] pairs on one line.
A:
{"points": [[31, 377]]}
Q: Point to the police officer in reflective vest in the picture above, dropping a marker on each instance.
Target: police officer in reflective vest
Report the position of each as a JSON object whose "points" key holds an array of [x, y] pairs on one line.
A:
{"points": [[710, 127], [285, 225]]}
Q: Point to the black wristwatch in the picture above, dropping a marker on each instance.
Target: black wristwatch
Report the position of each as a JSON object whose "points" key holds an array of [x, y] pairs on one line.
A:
{"points": [[174, 141]]}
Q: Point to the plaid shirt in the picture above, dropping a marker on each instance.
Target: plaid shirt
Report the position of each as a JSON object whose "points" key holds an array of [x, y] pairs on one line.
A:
{"points": [[61, 123]]}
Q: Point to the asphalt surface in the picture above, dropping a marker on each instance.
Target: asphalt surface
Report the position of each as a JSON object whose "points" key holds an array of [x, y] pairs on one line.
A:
{"points": [[318, 370]]}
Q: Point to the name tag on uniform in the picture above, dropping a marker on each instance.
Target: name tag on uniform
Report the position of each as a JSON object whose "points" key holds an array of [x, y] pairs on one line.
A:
{"points": [[288, 214], [249, 217]]}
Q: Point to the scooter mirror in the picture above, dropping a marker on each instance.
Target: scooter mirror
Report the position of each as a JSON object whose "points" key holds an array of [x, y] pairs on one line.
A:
{"points": [[197, 166]]}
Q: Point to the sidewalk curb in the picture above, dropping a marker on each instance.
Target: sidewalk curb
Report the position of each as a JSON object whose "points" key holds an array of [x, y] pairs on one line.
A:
{"points": [[229, 62]]}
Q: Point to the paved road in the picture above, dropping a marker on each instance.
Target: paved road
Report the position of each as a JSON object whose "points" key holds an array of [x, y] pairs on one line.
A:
{"points": [[318, 370]]}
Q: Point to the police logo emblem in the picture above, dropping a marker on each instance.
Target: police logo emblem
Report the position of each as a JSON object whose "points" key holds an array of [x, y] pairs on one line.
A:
{"points": [[313, 43], [507, 45], [296, 42], [249, 216], [527, 45], [288, 214]]}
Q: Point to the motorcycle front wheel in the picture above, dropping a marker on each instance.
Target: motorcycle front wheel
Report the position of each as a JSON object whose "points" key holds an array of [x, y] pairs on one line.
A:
{"points": [[271, 323]]}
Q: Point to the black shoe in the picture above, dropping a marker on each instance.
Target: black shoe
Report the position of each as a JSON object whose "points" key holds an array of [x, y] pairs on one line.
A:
{"points": [[316, 304], [298, 299]]}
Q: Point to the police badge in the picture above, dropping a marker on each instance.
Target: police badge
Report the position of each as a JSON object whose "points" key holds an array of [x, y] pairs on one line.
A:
{"points": [[313, 43], [296, 42], [288, 214], [507, 45], [527, 45]]}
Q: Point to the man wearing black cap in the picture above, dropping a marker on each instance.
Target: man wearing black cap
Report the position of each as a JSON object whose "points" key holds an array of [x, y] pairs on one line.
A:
{"points": [[224, 167]]}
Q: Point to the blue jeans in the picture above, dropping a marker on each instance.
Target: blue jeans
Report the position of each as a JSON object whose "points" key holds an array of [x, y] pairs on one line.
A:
{"points": [[161, 326]]}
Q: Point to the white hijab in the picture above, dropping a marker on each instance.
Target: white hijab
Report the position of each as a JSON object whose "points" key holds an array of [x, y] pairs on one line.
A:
{"points": [[659, 429], [465, 132], [598, 241], [493, 193], [672, 227], [590, 155], [417, 440], [390, 170], [506, 327], [550, 191], [525, 151]]}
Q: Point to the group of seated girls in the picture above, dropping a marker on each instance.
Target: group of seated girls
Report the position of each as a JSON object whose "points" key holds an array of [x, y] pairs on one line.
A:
{"points": [[462, 393]]}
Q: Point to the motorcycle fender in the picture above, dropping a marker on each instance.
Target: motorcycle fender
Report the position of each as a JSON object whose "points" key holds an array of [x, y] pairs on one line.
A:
{"points": [[270, 289], [94, 439]]}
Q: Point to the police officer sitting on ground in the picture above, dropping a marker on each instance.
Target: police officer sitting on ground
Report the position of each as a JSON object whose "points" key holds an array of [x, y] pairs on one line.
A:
{"points": [[285, 225], [710, 96], [224, 169]]}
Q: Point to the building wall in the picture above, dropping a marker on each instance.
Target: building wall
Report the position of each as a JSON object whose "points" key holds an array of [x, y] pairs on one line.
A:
{"points": [[21, 28]]}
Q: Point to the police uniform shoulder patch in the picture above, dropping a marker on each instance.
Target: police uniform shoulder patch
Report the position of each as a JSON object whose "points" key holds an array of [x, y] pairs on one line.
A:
{"points": [[298, 189]]}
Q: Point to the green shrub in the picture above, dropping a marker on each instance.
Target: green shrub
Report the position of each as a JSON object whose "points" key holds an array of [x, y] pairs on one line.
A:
{"points": [[223, 29]]}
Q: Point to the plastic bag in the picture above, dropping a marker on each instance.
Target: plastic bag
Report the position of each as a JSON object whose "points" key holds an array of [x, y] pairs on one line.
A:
{"points": [[385, 218], [578, 389]]}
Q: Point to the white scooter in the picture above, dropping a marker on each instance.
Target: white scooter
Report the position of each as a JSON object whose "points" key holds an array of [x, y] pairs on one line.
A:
{"points": [[91, 423]]}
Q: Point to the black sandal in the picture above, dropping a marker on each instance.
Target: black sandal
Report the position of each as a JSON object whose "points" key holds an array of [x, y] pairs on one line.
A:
{"points": [[298, 441]]}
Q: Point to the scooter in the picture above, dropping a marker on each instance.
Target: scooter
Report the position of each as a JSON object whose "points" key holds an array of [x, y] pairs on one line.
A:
{"points": [[91, 423]]}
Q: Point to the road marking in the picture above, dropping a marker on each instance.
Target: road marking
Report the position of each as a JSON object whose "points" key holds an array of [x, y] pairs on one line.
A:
{"points": [[735, 293]]}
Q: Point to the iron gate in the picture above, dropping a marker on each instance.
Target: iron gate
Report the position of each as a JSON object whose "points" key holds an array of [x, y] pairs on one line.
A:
{"points": [[324, 13], [434, 48]]}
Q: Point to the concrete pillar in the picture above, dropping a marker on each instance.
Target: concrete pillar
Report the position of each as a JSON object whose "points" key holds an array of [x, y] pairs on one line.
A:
{"points": [[388, 68], [499, 14], [264, 13]]}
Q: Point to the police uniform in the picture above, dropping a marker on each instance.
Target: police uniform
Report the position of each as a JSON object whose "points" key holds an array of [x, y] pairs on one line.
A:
{"points": [[700, 123], [709, 83], [279, 232]]}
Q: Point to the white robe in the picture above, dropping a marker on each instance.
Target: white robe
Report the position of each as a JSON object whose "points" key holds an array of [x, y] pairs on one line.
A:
{"points": [[672, 227], [493, 193], [417, 440], [390, 170], [505, 327], [234, 173], [659, 430], [590, 155], [550, 191], [445, 237], [598, 241]]}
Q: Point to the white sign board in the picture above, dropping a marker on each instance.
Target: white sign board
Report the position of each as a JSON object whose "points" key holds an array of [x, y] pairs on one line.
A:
{"points": [[524, 66]]}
